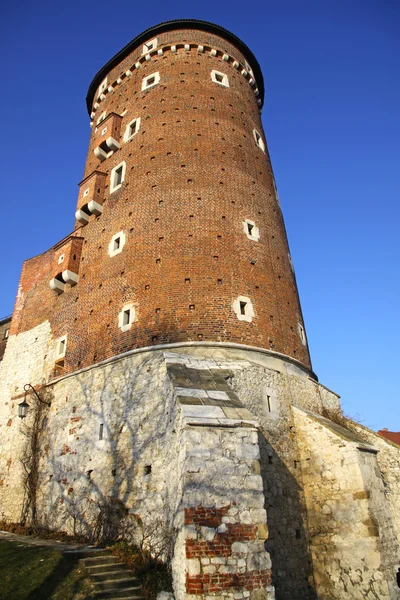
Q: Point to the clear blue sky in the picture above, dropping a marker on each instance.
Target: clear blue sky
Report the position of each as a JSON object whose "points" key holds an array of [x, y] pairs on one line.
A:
{"points": [[331, 118]]}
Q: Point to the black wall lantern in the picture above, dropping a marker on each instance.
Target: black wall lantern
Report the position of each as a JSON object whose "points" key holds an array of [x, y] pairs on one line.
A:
{"points": [[23, 406]]}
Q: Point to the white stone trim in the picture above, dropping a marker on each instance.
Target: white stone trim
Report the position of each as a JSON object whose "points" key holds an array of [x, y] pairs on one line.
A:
{"points": [[302, 334], [254, 234], [114, 187], [86, 193], [149, 46], [220, 78], [60, 347], [82, 218], [127, 135], [57, 286], [258, 139], [102, 87], [70, 277], [94, 208], [61, 258], [116, 244], [145, 81], [101, 118], [243, 313], [146, 56], [125, 320]]}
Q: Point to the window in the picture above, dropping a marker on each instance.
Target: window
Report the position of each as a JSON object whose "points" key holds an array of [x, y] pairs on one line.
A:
{"points": [[86, 193], [101, 118], [248, 68], [302, 334], [220, 78], [132, 129], [259, 140], [117, 177], [116, 244], [149, 46], [61, 347], [61, 259], [102, 86], [103, 131], [101, 431], [243, 309], [251, 230], [150, 81], [7, 331], [126, 317]]}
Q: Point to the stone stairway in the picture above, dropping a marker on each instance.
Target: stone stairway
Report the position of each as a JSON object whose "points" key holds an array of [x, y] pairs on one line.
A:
{"points": [[112, 580]]}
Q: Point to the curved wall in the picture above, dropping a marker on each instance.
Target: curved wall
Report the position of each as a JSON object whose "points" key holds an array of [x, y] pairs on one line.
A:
{"points": [[193, 176]]}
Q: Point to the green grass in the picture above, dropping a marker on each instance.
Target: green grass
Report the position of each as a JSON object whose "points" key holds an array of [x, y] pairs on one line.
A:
{"points": [[39, 573]]}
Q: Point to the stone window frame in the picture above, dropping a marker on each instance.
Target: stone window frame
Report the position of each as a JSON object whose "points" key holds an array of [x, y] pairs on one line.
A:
{"points": [[249, 69], [128, 137], [146, 86], [302, 334], [125, 321], [255, 232], [61, 259], [101, 118], [113, 187], [224, 82], [102, 86], [86, 192], [6, 333], [259, 140], [149, 46], [60, 348], [245, 313], [113, 248]]}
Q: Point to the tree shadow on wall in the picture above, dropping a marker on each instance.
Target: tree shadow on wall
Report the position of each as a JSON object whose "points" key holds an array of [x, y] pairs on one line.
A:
{"points": [[287, 543], [91, 484]]}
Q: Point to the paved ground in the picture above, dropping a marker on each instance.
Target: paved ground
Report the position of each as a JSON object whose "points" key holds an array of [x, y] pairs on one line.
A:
{"points": [[34, 541]]}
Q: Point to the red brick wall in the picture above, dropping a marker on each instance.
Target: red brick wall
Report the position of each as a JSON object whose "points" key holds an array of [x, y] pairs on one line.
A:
{"points": [[193, 175], [220, 546]]}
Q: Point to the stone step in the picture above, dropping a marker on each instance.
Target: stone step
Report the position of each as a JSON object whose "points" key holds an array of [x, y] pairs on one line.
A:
{"points": [[101, 560], [104, 568], [132, 593], [87, 553], [117, 584], [108, 576]]}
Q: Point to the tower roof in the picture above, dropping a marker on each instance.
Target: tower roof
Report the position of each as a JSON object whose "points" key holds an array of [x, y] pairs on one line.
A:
{"points": [[167, 26]]}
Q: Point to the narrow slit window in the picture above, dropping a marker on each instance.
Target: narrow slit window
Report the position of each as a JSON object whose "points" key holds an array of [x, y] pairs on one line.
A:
{"points": [[150, 81], [220, 78], [126, 317], [251, 230], [149, 46], [117, 177], [116, 244], [269, 404], [243, 309], [131, 129], [259, 140], [101, 431]]}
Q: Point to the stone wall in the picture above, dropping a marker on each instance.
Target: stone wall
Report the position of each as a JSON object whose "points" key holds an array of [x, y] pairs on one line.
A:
{"points": [[218, 448], [353, 548]]}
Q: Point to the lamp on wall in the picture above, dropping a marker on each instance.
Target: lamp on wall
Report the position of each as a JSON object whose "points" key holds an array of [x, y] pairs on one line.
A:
{"points": [[23, 406]]}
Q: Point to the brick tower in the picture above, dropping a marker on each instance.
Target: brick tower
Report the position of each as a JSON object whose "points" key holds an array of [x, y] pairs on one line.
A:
{"points": [[166, 334]]}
